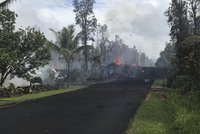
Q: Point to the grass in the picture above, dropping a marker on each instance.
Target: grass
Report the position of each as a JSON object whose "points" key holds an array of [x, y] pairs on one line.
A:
{"points": [[158, 83], [184, 112], [167, 113], [15, 100], [152, 117]]}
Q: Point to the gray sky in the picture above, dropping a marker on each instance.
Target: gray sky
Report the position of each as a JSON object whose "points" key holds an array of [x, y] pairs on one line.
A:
{"points": [[138, 22]]}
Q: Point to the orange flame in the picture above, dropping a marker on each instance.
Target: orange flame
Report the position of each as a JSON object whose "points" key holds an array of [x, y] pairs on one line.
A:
{"points": [[118, 60]]}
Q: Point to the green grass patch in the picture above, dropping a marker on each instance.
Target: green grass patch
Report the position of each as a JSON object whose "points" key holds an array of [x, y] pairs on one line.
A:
{"points": [[151, 117], [29, 97], [167, 113], [184, 112], [158, 83]]}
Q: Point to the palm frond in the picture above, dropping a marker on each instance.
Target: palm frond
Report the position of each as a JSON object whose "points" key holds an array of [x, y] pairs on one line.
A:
{"points": [[67, 54], [76, 40], [57, 36], [67, 42], [55, 47]]}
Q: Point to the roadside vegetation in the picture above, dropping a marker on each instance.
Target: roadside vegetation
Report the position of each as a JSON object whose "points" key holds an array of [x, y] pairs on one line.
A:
{"points": [[152, 117], [182, 57], [184, 113], [15, 100], [168, 112], [158, 84]]}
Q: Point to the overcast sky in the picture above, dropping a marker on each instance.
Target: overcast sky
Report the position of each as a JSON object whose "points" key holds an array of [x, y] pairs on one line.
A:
{"points": [[138, 22]]}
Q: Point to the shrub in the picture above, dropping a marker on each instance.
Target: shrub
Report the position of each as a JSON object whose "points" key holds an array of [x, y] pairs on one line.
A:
{"points": [[189, 57], [4, 92], [183, 83], [11, 89], [35, 80]]}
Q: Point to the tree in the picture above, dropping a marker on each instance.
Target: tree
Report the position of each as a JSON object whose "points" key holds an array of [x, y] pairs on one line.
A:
{"points": [[21, 51], [177, 15], [143, 59], [166, 56], [179, 22], [86, 19], [95, 60], [5, 3], [193, 10], [102, 40], [190, 53], [67, 46]]}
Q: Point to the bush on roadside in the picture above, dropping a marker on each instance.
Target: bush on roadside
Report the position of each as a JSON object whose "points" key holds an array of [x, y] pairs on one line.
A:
{"points": [[4, 92], [184, 83], [36, 80], [11, 89]]}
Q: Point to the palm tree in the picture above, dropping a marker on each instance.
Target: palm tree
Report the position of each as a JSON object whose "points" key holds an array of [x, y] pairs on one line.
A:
{"points": [[5, 4], [67, 46]]}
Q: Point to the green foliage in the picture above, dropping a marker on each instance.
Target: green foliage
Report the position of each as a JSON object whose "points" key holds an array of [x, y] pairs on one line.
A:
{"points": [[21, 51], [184, 83], [85, 18], [166, 56], [158, 83], [183, 20], [190, 57], [30, 97], [178, 21], [67, 46], [11, 88], [186, 75], [179, 24], [184, 112], [152, 117], [4, 92], [35, 80], [176, 114], [193, 9], [66, 42], [5, 3], [102, 41]]}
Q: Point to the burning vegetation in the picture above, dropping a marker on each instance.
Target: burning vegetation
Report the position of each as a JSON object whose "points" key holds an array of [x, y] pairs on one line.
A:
{"points": [[108, 59]]}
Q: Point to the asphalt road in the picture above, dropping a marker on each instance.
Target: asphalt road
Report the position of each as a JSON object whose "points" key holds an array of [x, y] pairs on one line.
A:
{"points": [[104, 108]]}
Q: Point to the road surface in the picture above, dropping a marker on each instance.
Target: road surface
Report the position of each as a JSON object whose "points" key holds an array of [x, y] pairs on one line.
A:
{"points": [[103, 108]]}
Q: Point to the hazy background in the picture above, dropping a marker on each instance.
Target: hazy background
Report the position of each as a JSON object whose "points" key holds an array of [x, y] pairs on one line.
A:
{"points": [[138, 22]]}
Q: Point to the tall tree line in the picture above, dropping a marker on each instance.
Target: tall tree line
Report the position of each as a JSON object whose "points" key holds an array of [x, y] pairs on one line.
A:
{"points": [[96, 48], [183, 19]]}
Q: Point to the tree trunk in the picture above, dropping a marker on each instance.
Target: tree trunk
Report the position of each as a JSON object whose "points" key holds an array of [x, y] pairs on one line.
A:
{"points": [[2, 81], [68, 74], [85, 43], [86, 51], [4, 76]]}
